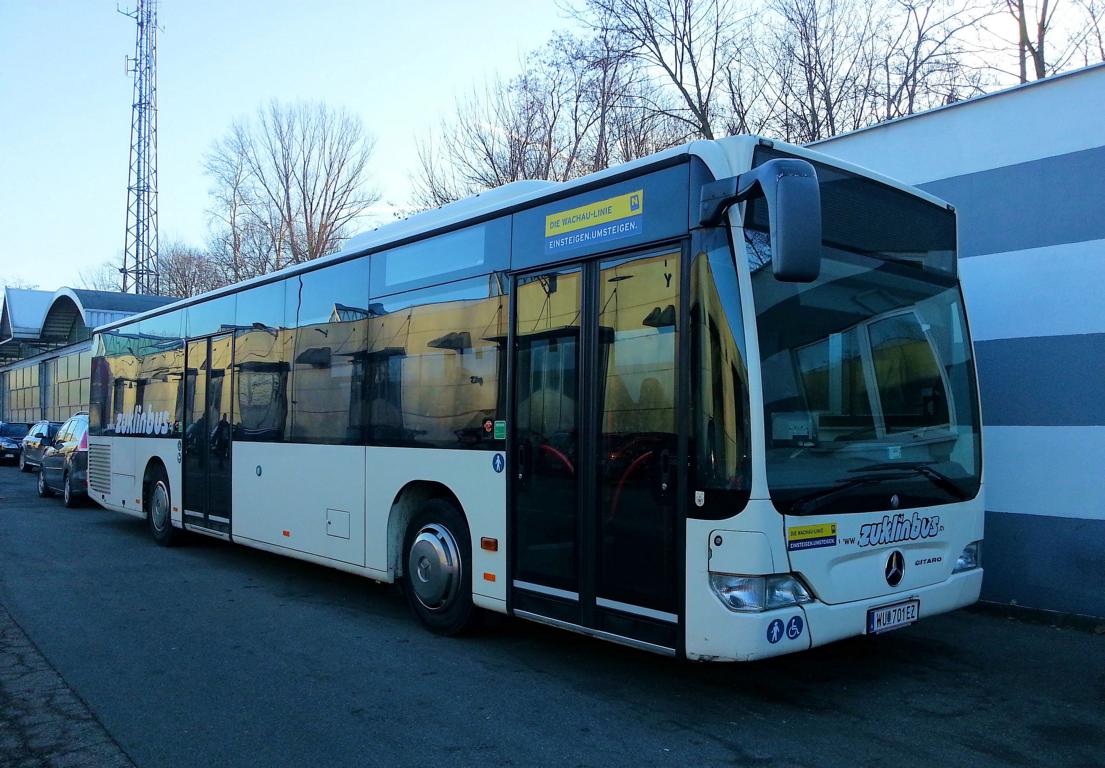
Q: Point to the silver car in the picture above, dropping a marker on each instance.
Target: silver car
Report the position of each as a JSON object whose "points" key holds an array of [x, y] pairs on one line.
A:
{"points": [[35, 444]]}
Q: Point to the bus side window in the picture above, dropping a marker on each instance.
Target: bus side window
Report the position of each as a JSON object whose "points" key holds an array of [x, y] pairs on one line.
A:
{"points": [[719, 383]]}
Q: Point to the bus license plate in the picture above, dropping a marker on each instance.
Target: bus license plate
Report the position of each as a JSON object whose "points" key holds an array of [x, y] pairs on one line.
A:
{"points": [[890, 617]]}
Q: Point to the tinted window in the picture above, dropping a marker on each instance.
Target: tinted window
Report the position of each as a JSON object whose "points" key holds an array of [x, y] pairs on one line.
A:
{"points": [[866, 369], [262, 306], [64, 432], [13, 429], [720, 428], [473, 250], [330, 311], [262, 357], [432, 371], [160, 372], [115, 378], [210, 316]]}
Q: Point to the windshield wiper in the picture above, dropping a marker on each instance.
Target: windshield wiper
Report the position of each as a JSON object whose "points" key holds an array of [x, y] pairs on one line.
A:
{"points": [[808, 503], [876, 473], [934, 476]]}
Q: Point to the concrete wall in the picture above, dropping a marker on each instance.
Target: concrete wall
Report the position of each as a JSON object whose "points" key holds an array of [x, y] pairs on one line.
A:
{"points": [[1025, 169]]}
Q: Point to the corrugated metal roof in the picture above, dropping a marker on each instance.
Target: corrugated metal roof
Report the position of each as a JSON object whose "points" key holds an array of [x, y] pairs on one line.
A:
{"points": [[23, 312], [46, 318]]}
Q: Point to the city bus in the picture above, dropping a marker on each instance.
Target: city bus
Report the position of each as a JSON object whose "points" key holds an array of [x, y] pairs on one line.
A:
{"points": [[718, 403]]}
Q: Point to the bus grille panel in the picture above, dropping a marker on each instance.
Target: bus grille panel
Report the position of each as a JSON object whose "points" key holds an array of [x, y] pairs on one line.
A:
{"points": [[99, 467]]}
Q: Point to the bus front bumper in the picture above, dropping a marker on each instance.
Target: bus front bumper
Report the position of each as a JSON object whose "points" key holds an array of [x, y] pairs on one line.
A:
{"points": [[750, 636]]}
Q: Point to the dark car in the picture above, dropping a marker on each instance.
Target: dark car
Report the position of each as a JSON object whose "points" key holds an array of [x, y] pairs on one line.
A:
{"points": [[65, 462], [11, 437], [35, 444]]}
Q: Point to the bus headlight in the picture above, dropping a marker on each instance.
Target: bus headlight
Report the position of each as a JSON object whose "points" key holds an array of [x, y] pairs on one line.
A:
{"points": [[970, 557], [758, 593]]}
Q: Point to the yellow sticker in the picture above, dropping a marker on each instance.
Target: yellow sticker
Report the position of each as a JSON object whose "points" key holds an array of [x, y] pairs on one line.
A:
{"points": [[593, 214], [811, 536]]}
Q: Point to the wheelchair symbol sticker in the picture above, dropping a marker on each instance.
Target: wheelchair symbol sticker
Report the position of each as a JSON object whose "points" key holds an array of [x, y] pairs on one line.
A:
{"points": [[794, 628], [775, 631], [498, 463]]}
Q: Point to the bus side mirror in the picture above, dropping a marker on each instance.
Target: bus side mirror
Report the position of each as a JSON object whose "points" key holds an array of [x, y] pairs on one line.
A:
{"points": [[789, 187]]}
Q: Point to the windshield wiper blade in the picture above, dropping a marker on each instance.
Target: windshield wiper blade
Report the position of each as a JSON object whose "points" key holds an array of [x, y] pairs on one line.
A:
{"points": [[806, 504], [934, 476]]}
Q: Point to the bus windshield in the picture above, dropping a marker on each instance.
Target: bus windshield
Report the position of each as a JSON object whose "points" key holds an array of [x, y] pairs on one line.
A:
{"points": [[868, 380]]}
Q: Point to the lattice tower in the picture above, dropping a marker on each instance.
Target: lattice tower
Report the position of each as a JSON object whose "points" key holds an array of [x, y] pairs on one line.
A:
{"points": [[140, 272]]}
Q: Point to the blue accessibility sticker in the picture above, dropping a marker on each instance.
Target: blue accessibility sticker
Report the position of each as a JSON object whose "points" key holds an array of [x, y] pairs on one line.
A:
{"points": [[498, 462], [775, 631], [794, 627]]}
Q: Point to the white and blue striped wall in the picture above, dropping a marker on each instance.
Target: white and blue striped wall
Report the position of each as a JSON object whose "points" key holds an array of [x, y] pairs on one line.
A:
{"points": [[1025, 169]]}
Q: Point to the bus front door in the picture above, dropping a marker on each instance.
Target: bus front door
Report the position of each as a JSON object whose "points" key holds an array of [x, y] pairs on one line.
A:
{"points": [[596, 539], [208, 433]]}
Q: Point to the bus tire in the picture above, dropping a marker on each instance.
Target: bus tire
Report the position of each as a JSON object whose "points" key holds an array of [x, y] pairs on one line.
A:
{"points": [[158, 510], [437, 568]]}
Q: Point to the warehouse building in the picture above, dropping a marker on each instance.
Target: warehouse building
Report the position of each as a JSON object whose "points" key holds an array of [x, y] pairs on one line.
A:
{"points": [[1025, 168], [45, 354]]}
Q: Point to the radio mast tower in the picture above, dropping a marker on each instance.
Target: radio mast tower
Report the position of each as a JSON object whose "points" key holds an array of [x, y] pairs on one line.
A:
{"points": [[140, 273]]}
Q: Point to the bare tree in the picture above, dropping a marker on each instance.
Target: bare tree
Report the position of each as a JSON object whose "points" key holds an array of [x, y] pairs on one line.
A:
{"points": [[578, 106], [688, 41], [1032, 43], [13, 281], [185, 270], [288, 183], [106, 276], [1091, 42], [1048, 41], [926, 54]]}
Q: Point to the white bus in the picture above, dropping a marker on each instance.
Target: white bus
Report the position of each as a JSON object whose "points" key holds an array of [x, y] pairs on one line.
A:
{"points": [[718, 403]]}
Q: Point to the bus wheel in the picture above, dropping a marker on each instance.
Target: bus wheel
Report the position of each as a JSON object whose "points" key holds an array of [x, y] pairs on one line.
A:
{"points": [[158, 510], [437, 576]]}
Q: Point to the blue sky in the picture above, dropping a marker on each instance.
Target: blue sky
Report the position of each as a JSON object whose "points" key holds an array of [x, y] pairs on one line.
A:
{"points": [[65, 101]]}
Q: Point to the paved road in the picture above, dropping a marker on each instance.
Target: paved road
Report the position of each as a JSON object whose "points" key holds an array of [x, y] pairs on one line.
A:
{"points": [[217, 655]]}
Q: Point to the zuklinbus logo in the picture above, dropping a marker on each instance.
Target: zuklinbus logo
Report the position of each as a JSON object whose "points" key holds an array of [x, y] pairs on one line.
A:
{"points": [[138, 423], [890, 530]]}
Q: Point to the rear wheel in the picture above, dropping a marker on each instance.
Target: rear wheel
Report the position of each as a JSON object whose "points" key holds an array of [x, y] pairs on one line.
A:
{"points": [[69, 496], [43, 489], [158, 510], [437, 574], [23, 466]]}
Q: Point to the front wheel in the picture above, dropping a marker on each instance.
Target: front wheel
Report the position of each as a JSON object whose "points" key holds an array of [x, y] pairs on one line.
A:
{"points": [[437, 577], [23, 466], [158, 511], [43, 489]]}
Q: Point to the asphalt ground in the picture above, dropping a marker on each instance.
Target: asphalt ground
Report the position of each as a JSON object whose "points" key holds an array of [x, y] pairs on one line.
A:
{"points": [[216, 655]]}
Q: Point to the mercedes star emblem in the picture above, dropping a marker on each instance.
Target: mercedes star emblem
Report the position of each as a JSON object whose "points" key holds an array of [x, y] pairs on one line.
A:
{"points": [[895, 568]]}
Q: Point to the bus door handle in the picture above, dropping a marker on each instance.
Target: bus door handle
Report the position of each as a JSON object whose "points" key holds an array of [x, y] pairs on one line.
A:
{"points": [[665, 469], [522, 455]]}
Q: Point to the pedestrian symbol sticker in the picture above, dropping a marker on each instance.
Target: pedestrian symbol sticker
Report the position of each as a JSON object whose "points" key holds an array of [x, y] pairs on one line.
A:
{"points": [[794, 627], [498, 462], [775, 631]]}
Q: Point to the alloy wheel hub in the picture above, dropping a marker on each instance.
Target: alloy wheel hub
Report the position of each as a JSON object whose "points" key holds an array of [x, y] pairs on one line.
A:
{"points": [[434, 567]]}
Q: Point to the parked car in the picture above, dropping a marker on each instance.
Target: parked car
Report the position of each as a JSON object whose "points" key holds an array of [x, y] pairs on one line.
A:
{"points": [[11, 435], [35, 444], [65, 462]]}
